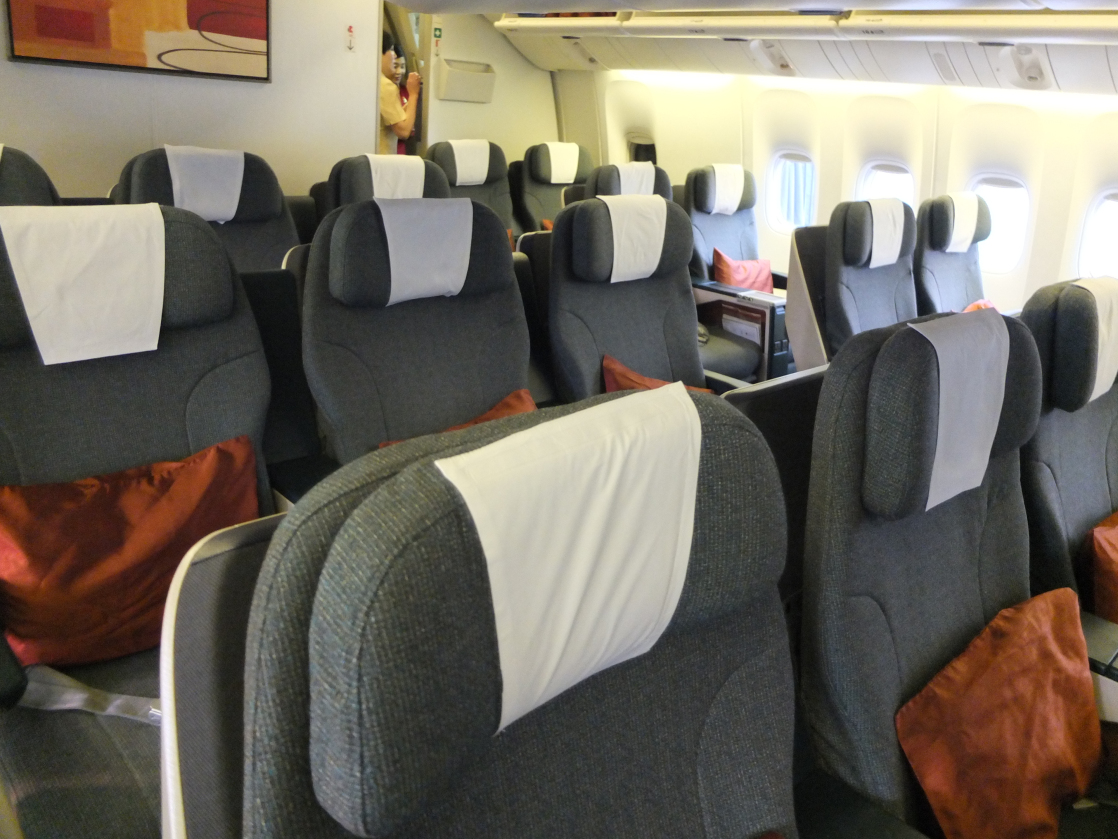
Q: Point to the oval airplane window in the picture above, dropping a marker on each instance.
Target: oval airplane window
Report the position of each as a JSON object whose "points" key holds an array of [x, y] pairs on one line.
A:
{"points": [[1098, 252], [1008, 200], [886, 180], [791, 192]]}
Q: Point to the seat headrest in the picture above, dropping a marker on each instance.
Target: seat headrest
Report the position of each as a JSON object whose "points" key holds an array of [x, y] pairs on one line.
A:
{"points": [[558, 163], [1076, 328], [722, 188], [198, 279], [469, 162], [947, 394], [354, 179], [615, 548], [636, 178], [383, 252], [876, 233], [23, 181], [261, 198], [957, 221], [625, 237]]}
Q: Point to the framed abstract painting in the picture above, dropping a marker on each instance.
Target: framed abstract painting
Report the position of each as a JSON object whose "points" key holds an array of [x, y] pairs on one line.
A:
{"points": [[222, 38]]}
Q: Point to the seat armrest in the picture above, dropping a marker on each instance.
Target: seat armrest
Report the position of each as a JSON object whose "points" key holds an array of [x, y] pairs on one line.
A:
{"points": [[722, 384], [294, 478], [827, 808], [780, 280], [13, 681]]}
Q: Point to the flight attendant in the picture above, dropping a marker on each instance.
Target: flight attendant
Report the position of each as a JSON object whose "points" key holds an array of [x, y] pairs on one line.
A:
{"points": [[396, 120]]}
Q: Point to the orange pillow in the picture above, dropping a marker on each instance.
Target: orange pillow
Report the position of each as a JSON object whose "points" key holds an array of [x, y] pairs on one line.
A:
{"points": [[979, 304], [1103, 545], [512, 241], [517, 402], [85, 566], [548, 224], [754, 274], [1008, 732], [619, 377]]}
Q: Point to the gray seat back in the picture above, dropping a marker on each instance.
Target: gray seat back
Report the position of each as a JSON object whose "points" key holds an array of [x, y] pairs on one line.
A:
{"points": [[351, 180], [735, 234], [390, 372], [606, 180], [649, 325], [859, 297], [946, 282], [893, 591], [694, 736], [257, 237], [534, 195], [23, 181], [1069, 470], [494, 193], [207, 382]]}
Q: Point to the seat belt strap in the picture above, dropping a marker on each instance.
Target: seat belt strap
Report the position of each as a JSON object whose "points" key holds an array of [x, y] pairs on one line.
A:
{"points": [[50, 690]]}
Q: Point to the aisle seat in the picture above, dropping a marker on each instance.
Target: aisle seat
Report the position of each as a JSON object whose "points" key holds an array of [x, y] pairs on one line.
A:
{"points": [[945, 261], [477, 169], [538, 181], [23, 181]]}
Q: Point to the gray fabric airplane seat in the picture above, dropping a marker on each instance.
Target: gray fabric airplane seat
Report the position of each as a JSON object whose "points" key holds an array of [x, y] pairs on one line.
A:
{"points": [[893, 589], [70, 773], [693, 736], [647, 323], [945, 262], [1069, 468], [626, 179], [351, 180], [537, 182], [257, 237], [23, 181], [719, 221], [863, 289], [387, 355], [467, 180]]}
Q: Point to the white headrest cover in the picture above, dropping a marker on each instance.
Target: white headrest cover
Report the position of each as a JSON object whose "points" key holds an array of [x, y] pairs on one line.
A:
{"points": [[91, 278], [888, 230], [638, 223], [970, 397], [586, 524], [206, 181], [637, 178], [729, 182], [966, 221], [1105, 292], [471, 161], [428, 246], [397, 175], [564, 162]]}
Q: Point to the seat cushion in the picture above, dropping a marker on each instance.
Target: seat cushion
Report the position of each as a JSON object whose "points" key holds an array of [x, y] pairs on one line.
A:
{"points": [[754, 274], [729, 354], [619, 377], [1102, 544], [517, 402]]}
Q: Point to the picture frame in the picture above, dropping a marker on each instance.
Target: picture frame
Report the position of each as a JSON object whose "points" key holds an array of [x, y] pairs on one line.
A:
{"points": [[225, 39]]}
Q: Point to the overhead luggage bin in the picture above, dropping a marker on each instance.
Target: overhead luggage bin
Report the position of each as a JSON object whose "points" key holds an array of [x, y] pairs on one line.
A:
{"points": [[540, 8]]}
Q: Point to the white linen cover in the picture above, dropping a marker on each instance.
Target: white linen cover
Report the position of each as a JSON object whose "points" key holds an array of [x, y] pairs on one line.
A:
{"points": [[91, 278], [966, 221], [564, 162], [428, 245], [471, 161], [888, 230], [206, 181], [973, 354], [729, 182], [397, 175], [586, 524], [1105, 292], [637, 178], [638, 234]]}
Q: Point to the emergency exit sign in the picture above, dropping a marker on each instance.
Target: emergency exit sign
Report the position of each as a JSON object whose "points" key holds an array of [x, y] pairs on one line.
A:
{"points": [[438, 32]]}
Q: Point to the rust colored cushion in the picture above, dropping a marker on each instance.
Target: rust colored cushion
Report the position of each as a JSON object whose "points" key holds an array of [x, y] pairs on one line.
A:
{"points": [[978, 305], [517, 402], [619, 377], [1103, 546], [754, 274], [85, 566], [1008, 732], [548, 224]]}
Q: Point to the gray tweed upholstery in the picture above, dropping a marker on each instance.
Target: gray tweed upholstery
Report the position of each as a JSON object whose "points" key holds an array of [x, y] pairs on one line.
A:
{"points": [[606, 180], [257, 237], [351, 180], [649, 325], [390, 373], [1069, 470], [734, 235], [494, 193], [23, 181], [888, 601], [694, 737], [859, 297], [946, 282], [534, 196], [72, 774]]}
